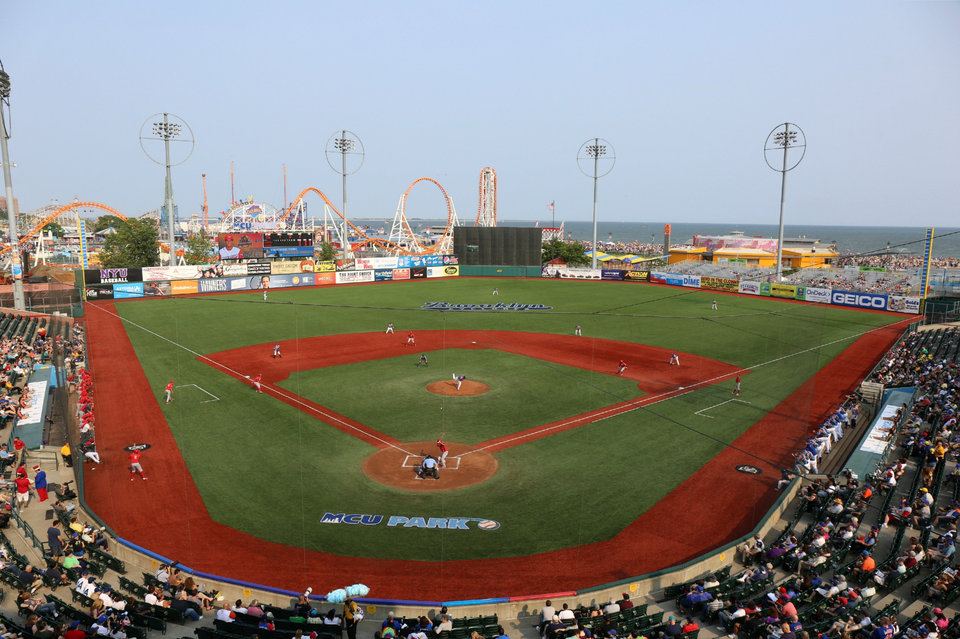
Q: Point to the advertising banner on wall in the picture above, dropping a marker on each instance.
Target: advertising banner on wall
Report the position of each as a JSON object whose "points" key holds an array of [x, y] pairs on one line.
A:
{"points": [[859, 300], [719, 284], [401, 273], [691, 281], [902, 304], [376, 262], [418, 272], [112, 275], [814, 294], [383, 274], [636, 276], [218, 285], [749, 288], [326, 277], [156, 289], [610, 274], [354, 277], [127, 290], [787, 291], [432, 260], [443, 271], [194, 272], [239, 246], [184, 287], [303, 266], [99, 292], [328, 266], [764, 288]]}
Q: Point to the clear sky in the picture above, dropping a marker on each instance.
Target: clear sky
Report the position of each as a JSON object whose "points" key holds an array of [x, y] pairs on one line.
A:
{"points": [[686, 92]]}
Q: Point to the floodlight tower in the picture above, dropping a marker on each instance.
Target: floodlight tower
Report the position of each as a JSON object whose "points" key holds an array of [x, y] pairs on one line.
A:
{"points": [[592, 152], [168, 131], [783, 138], [346, 144], [16, 268]]}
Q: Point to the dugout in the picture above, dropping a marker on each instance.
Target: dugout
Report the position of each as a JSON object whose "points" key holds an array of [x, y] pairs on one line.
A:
{"points": [[507, 251]]}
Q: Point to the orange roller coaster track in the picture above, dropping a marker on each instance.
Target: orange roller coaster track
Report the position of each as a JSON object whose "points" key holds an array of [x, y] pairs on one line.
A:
{"points": [[388, 245], [60, 211]]}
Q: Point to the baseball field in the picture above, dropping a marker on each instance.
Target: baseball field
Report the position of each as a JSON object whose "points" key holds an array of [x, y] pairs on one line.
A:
{"points": [[561, 473]]}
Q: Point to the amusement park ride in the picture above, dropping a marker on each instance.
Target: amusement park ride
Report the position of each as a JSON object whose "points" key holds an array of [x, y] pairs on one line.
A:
{"points": [[259, 216]]}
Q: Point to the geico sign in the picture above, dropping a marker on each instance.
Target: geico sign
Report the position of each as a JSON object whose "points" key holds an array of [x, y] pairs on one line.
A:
{"points": [[858, 299]]}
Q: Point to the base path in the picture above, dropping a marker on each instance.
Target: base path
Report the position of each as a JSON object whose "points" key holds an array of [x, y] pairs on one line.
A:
{"points": [[165, 514]]}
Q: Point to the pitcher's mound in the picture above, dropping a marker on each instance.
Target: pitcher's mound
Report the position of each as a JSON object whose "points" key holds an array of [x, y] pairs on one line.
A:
{"points": [[449, 387], [393, 467]]}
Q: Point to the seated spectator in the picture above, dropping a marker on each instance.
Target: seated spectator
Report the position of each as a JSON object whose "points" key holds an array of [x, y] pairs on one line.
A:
{"points": [[185, 607], [750, 550]]}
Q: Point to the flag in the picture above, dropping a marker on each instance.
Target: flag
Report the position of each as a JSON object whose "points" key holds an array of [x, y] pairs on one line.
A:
{"points": [[550, 206]]}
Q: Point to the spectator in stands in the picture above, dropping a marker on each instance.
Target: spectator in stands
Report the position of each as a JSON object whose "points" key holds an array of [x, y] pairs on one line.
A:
{"points": [[226, 615], [546, 615], [566, 614], [750, 550], [672, 629], [864, 566], [611, 607], [553, 627], [26, 601], [943, 551], [185, 607], [625, 603], [445, 624], [898, 515]]}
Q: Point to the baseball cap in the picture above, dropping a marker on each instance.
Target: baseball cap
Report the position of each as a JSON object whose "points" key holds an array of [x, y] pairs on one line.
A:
{"points": [[74, 625], [227, 237], [865, 553]]}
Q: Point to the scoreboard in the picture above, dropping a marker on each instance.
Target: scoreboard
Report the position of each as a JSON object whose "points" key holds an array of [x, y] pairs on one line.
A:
{"points": [[289, 244]]}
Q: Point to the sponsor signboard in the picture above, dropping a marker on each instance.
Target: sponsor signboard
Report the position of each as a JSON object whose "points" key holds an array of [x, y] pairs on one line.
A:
{"points": [[239, 284], [112, 275], [159, 273], [859, 300], [156, 289], [184, 287], [218, 285], [127, 290], [513, 306], [903, 304], [281, 268], [451, 270], [401, 274], [764, 288], [99, 292], [383, 274], [328, 266], [749, 288], [719, 284], [402, 521], [431, 260], [788, 291], [442, 271], [418, 272], [326, 277], [376, 262], [814, 294], [578, 273], [691, 281], [353, 277], [636, 276], [609, 274]]}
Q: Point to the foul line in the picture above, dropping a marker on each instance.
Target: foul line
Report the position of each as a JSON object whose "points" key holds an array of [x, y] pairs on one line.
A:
{"points": [[291, 399], [632, 405]]}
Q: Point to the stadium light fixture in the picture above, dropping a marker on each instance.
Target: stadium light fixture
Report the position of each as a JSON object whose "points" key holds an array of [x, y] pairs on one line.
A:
{"points": [[16, 268], [782, 139], [344, 143], [591, 154]]}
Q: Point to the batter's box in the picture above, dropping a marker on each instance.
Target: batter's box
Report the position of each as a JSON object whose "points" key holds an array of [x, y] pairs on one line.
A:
{"points": [[412, 461], [206, 396]]}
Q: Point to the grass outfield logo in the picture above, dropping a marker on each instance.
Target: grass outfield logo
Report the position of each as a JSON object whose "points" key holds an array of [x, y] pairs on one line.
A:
{"points": [[513, 306], [439, 523]]}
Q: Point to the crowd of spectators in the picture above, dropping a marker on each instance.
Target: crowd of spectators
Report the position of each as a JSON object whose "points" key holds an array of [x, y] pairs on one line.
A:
{"points": [[896, 261], [912, 361]]}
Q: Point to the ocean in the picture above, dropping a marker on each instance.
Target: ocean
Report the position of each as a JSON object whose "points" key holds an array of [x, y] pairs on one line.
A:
{"points": [[849, 239]]}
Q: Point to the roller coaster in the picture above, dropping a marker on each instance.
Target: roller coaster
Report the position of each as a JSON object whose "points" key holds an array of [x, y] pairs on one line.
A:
{"points": [[260, 215]]}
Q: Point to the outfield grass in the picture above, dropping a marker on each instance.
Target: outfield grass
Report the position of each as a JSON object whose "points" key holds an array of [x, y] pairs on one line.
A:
{"points": [[265, 468]]}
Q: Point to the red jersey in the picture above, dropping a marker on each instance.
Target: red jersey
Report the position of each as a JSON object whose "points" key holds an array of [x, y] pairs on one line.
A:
{"points": [[738, 379], [257, 378], [23, 484], [169, 386], [623, 364], [134, 457], [441, 446], [410, 335]]}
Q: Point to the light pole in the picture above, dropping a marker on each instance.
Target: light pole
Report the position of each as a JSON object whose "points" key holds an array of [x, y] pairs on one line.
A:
{"points": [[167, 131], [592, 152], [783, 138], [16, 268], [344, 143]]}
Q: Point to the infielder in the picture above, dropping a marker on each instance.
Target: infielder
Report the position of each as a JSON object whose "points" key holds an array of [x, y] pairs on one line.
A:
{"points": [[736, 386], [423, 360], [276, 351], [576, 330], [674, 359], [390, 328], [168, 389], [135, 466], [621, 367], [256, 383], [411, 339]]}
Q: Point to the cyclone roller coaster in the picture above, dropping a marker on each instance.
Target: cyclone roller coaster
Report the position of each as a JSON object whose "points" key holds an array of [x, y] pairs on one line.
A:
{"points": [[402, 240]]}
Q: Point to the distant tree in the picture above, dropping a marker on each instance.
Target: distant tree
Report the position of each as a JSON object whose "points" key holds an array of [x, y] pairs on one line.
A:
{"points": [[570, 252], [197, 249], [327, 252], [106, 221], [133, 245], [54, 228]]}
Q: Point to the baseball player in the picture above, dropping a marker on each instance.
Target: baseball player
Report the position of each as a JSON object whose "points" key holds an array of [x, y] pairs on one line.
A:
{"points": [[496, 290], [622, 366], [168, 389], [276, 351], [443, 452], [736, 386], [135, 466], [713, 307], [576, 331], [390, 328], [674, 360], [256, 383], [459, 379], [423, 360], [411, 339]]}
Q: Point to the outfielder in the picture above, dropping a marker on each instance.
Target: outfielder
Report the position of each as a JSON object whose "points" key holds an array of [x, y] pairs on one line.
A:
{"points": [[168, 389], [423, 360]]}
